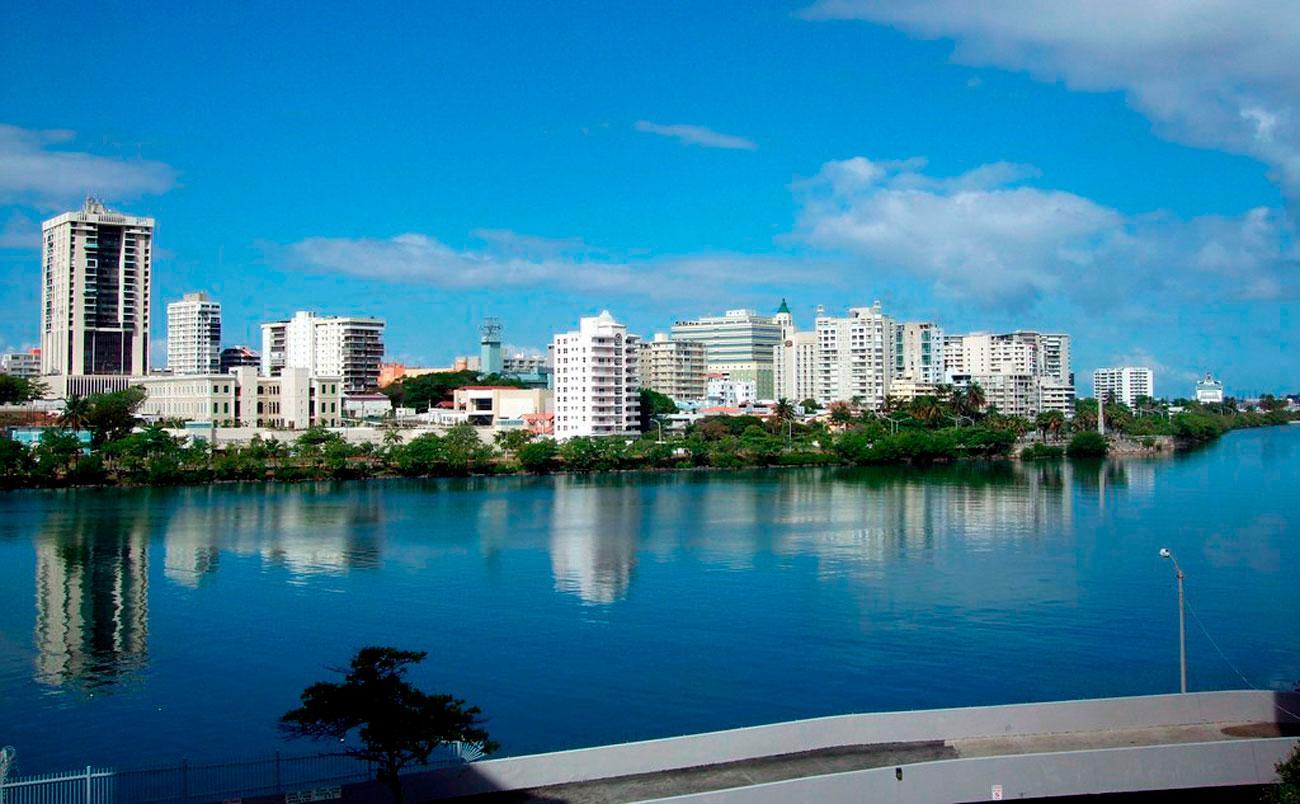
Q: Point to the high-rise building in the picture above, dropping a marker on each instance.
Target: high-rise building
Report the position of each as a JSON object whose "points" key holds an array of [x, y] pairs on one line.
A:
{"points": [[918, 353], [794, 360], [194, 335], [1123, 384], [1039, 362], [596, 379], [855, 357], [95, 286], [334, 346], [673, 368], [738, 344], [235, 356]]}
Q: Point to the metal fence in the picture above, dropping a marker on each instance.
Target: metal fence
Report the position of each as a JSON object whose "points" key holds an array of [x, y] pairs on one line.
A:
{"points": [[92, 786], [207, 782]]}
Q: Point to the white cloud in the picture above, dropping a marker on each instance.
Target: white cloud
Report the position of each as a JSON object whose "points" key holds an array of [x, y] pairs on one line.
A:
{"points": [[35, 172], [697, 135], [985, 237], [424, 259], [1211, 73]]}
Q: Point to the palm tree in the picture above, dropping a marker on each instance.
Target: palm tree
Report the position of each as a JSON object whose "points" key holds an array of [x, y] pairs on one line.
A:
{"points": [[925, 409], [975, 398], [840, 413], [1050, 422], [76, 410], [784, 410]]}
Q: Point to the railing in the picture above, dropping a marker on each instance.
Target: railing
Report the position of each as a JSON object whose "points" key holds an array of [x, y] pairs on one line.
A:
{"points": [[208, 782], [91, 786]]}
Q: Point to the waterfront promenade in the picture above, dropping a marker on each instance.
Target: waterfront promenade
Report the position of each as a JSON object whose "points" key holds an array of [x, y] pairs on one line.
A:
{"points": [[1147, 743]]}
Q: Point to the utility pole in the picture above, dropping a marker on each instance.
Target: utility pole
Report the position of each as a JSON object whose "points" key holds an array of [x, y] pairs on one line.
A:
{"points": [[1182, 621]]}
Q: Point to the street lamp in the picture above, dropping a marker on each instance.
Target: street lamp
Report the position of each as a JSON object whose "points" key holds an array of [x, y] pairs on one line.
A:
{"points": [[1182, 622]]}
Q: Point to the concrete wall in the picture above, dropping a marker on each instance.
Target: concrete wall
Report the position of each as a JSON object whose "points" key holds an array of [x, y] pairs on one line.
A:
{"points": [[828, 732], [1108, 770]]}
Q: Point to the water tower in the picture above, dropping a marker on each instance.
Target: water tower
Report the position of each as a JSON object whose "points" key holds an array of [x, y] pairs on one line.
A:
{"points": [[489, 355]]}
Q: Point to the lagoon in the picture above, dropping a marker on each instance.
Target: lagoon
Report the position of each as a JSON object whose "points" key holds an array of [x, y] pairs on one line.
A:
{"points": [[140, 626]]}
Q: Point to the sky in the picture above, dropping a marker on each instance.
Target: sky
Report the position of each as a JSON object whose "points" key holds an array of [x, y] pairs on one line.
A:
{"points": [[1126, 172]]}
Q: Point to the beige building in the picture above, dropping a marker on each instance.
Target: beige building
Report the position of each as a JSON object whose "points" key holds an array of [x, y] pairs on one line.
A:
{"points": [[738, 344], [673, 368], [295, 400], [855, 357], [491, 405], [95, 274]]}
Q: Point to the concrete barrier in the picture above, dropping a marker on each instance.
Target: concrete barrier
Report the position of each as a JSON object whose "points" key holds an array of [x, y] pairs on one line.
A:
{"points": [[712, 748], [1104, 770]]}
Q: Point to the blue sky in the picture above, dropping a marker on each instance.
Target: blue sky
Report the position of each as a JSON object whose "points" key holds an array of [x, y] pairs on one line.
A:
{"points": [[1128, 173]]}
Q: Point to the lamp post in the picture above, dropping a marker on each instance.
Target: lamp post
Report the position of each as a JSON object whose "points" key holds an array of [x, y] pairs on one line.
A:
{"points": [[1182, 622]]}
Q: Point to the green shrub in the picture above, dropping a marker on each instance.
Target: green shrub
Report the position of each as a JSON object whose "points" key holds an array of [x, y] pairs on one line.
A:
{"points": [[1088, 444], [1035, 452]]}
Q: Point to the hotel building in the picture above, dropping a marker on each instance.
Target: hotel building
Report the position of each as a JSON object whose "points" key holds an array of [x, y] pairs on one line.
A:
{"points": [[597, 391]]}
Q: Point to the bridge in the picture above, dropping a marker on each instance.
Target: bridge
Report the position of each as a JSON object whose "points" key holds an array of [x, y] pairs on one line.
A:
{"points": [[1185, 742]]}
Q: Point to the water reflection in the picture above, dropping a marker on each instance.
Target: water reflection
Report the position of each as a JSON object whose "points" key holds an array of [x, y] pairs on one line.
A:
{"points": [[593, 537], [92, 597]]}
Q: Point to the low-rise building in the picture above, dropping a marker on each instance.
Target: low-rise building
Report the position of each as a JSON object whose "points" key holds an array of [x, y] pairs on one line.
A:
{"points": [[21, 364], [294, 400], [489, 405], [367, 406], [728, 393]]}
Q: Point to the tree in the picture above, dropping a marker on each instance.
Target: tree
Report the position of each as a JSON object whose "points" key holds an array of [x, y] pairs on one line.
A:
{"points": [[840, 413], [112, 416], [511, 441], [76, 409], [397, 724], [1287, 790], [925, 409], [784, 410], [975, 398], [1088, 444], [1049, 423], [654, 405], [810, 406], [20, 389]]}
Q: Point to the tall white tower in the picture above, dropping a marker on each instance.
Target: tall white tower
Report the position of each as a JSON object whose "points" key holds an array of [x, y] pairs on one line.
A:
{"points": [[95, 274], [194, 335]]}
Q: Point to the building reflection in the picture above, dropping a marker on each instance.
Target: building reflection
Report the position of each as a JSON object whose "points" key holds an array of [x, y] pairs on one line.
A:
{"points": [[92, 597], [594, 529]]}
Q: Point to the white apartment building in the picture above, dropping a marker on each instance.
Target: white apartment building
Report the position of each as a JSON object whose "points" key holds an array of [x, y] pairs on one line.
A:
{"points": [[918, 353], [21, 364], [596, 379], [294, 400], [95, 275], [194, 335], [1123, 384], [855, 357], [336, 346], [739, 344], [673, 368], [725, 392]]}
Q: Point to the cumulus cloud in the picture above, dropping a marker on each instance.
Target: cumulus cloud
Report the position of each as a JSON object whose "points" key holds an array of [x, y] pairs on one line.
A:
{"points": [[1210, 73], [988, 238], [35, 171], [697, 135], [420, 258]]}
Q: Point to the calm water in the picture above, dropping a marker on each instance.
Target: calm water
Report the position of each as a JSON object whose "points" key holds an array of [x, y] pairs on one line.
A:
{"points": [[142, 626]]}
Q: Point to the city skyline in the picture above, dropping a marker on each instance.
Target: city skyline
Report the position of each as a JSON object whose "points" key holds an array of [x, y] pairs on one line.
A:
{"points": [[1074, 199]]}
